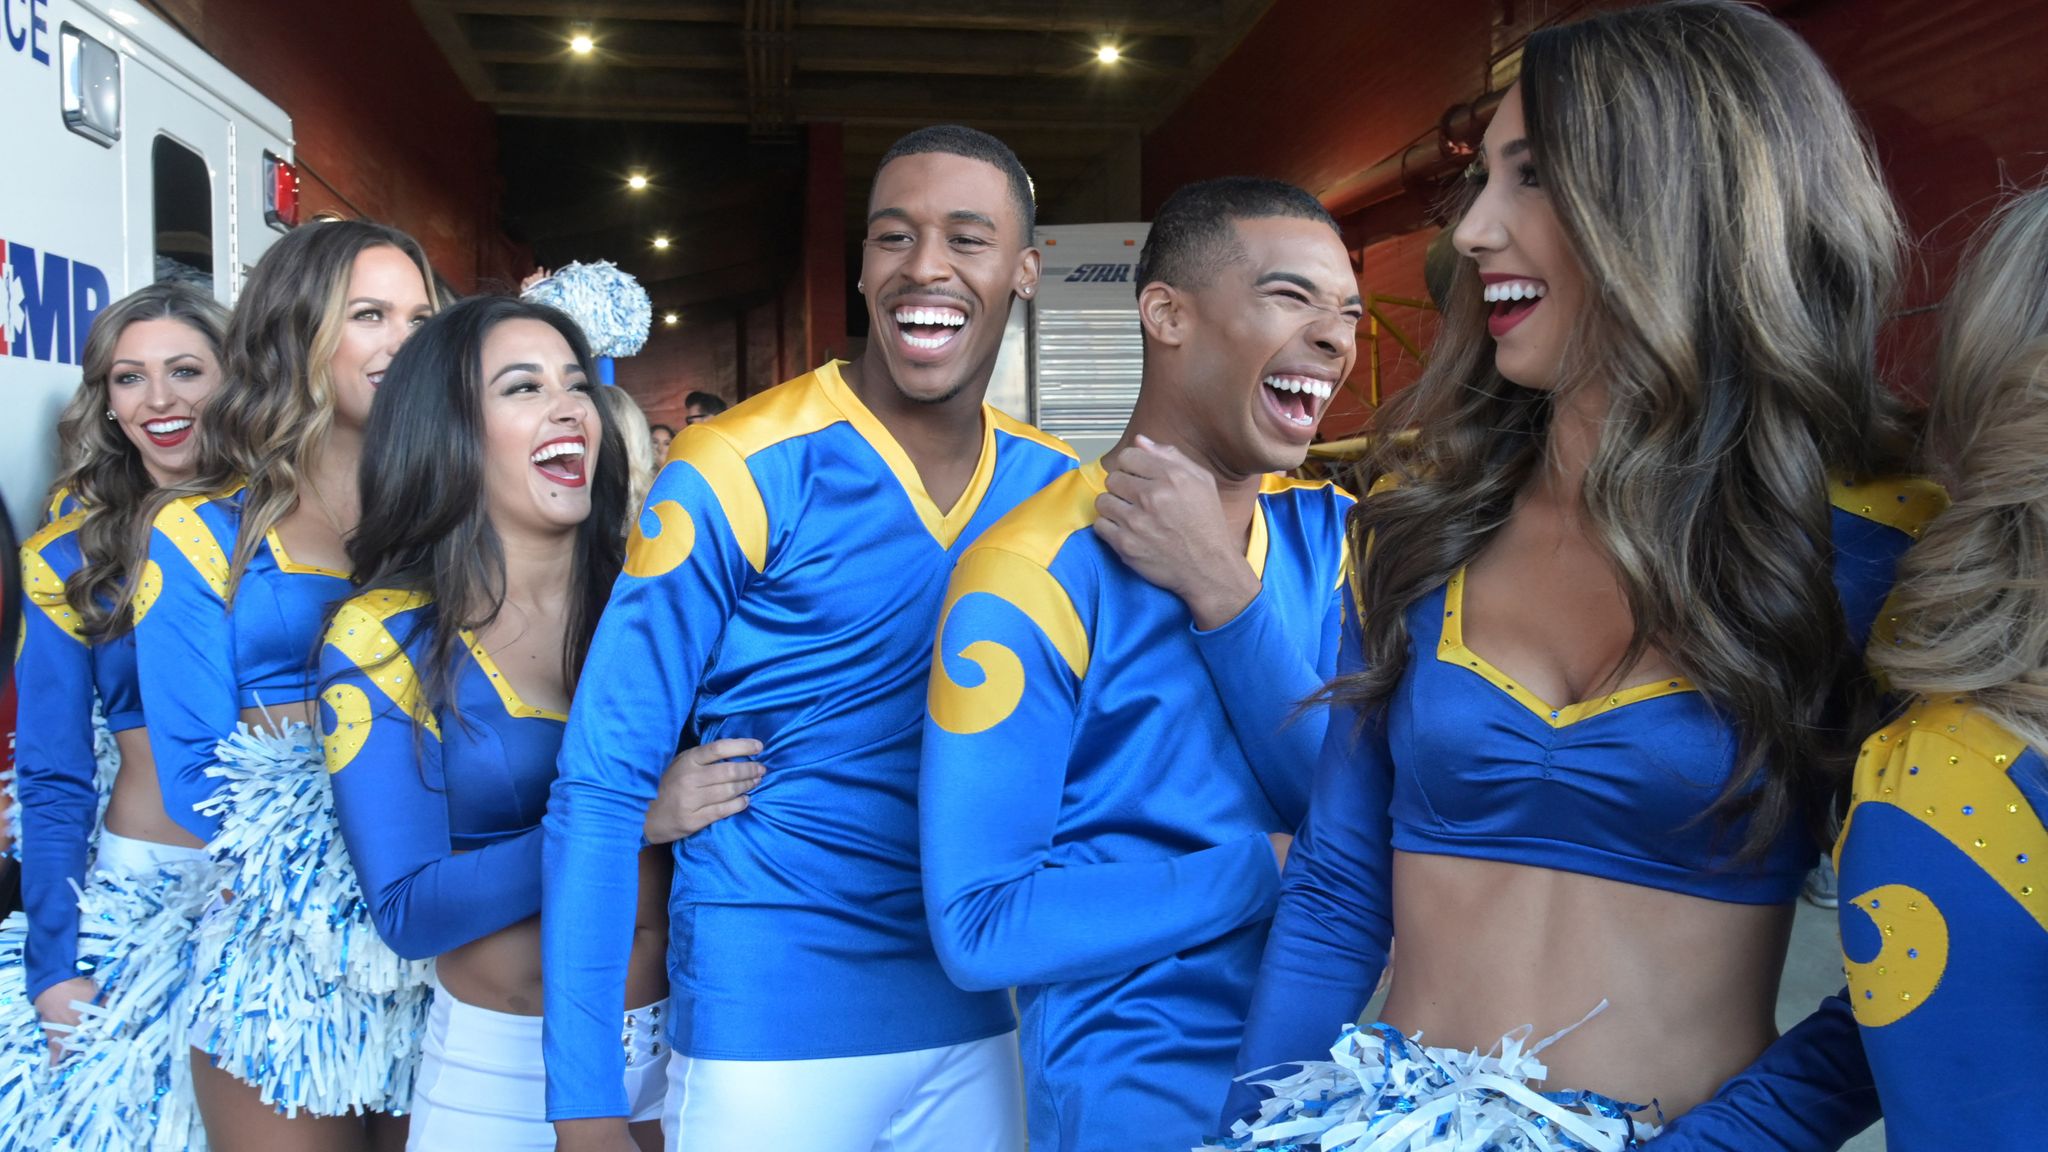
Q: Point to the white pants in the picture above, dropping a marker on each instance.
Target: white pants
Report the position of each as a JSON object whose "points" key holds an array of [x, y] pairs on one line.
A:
{"points": [[965, 1098], [481, 1083], [127, 856]]}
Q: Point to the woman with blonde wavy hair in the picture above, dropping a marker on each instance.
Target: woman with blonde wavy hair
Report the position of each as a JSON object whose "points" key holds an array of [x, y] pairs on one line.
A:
{"points": [[1944, 856], [304, 1019], [1614, 592], [110, 896]]}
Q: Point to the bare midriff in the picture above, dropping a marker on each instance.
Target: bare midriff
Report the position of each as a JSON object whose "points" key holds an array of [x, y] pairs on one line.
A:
{"points": [[135, 808], [1484, 947], [502, 972]]}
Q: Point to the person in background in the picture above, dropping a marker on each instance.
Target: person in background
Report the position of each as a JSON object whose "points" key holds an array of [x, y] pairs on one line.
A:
{"points": [[1943, 858], [304, 1021], [1613, 596], [783, 584], [660, 436], [702, 406], [644, 451], [1113, 761], [111, 894]]}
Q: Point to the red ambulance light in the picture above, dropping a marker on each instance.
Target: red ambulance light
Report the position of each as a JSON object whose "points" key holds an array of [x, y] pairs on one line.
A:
{"points": [[280, 193]]}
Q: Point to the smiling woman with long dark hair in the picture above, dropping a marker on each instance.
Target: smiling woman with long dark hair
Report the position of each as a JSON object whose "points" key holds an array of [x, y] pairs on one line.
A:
{"points": [[494, 483]]}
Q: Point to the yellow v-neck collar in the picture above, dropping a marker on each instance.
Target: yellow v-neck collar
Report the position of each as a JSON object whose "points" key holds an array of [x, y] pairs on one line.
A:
{"points": [[1255, 549], [945, 527]]}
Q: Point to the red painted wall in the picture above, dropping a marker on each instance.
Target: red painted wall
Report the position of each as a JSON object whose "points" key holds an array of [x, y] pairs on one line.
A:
{"points": [[1321, 89], [384, 128]]}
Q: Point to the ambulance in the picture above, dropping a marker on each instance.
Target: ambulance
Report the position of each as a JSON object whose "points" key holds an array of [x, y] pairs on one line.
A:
{"points": [[127, 155]]}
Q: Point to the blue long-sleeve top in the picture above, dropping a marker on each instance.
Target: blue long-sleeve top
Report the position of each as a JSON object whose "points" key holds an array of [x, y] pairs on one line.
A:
{"points": [[1943, 866], [783, 583], [1100, 782], [200, 660], [1463, 761], [440, 808], [58, 673]]}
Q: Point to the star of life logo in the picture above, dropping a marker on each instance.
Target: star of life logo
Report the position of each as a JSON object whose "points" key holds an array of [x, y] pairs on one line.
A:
{"points": [[47, 303]]}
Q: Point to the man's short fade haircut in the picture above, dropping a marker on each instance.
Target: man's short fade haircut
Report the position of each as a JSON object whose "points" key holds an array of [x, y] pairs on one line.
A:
{"points": [[974, 144], [1194, 235]]}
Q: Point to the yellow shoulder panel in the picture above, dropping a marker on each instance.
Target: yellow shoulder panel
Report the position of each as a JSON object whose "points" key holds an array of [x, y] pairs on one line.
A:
{"points": [[791, 409], [1032, 590], [724, 467], [180, 523], [40, 582], [1039, 527], [1006, 423], [359, 632], [1907, 503]]}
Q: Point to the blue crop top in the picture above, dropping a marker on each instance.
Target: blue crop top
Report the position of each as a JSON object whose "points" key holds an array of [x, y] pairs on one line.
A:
{"points": [[442, 823], [56, 771], [200, 661], [1469, 763]]}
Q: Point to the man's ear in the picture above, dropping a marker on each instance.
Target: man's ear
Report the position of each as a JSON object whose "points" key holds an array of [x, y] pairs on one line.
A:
{"points": [[1027, 274], [1163, 313]]}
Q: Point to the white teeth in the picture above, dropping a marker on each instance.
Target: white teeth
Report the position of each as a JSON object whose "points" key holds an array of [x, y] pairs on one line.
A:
{"points": [[930, 316], [1320, 389], [548, 452], [166, 427], [1515, 290], [927, 344]]}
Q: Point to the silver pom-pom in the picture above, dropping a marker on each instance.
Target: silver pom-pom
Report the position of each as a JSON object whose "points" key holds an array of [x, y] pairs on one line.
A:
{"points": [[610, 306]]}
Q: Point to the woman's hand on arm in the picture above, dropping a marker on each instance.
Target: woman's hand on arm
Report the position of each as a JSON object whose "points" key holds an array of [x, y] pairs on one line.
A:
{"points": [[701, 787]]}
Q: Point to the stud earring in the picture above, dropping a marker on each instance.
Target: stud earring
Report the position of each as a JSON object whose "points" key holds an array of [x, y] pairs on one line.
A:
{"points": [[110, 413], [860, 286]]}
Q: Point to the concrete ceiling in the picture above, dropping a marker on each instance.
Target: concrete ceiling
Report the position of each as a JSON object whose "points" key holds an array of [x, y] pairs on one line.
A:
{"points": [[709, 97]]}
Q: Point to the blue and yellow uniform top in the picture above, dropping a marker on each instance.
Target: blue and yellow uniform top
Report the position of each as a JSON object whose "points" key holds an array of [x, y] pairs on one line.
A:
{"points": [[1465, 762], [1100, 782], [200, 660], [1944, 916], [440, 808], [783, 584], [59, 673]]}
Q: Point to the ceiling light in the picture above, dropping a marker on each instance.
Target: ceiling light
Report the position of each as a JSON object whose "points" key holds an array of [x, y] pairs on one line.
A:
{"points": [[669, 317], [636, 181], [1108, 54], [661, 242], [581, 43]]}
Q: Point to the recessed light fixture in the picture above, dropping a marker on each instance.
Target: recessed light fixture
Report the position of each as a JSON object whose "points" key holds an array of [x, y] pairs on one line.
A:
{"points": [[661, 242], [637, 181], [581, 43], [1109, 54], [669, 318]]}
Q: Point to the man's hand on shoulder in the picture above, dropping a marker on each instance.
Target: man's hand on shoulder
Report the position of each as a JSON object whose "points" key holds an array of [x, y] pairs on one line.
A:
{"points": [[1162, 517]]}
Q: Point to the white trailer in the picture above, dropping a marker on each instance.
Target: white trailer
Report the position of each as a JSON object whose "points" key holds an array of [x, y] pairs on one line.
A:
{"points": [[1072, 357], [131, 156]]}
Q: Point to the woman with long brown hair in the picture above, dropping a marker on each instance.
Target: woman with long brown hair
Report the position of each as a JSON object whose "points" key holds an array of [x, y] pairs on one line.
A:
{"points": [[303, 1018], [110, 895], [1613, 593]]}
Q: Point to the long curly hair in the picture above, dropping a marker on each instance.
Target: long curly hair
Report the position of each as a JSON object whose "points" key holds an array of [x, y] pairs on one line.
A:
{"points": [[101, 468], [276, 403], [1740, 252], [426, 525], [1972, 597]]}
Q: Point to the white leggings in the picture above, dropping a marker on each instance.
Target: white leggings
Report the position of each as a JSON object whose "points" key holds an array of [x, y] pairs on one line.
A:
{"points": [[481, 1083], [964, 1098]]}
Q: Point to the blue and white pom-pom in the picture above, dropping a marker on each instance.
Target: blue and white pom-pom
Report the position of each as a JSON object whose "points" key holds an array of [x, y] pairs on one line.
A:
{"points": [[610, 306], [1381, 1091], [297, 994], [24, 1054], [124, 1079]]}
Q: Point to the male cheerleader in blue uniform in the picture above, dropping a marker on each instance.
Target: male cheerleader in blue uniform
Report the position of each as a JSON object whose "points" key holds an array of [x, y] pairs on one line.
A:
{"points": [[1115, 748], [784, 584]]}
